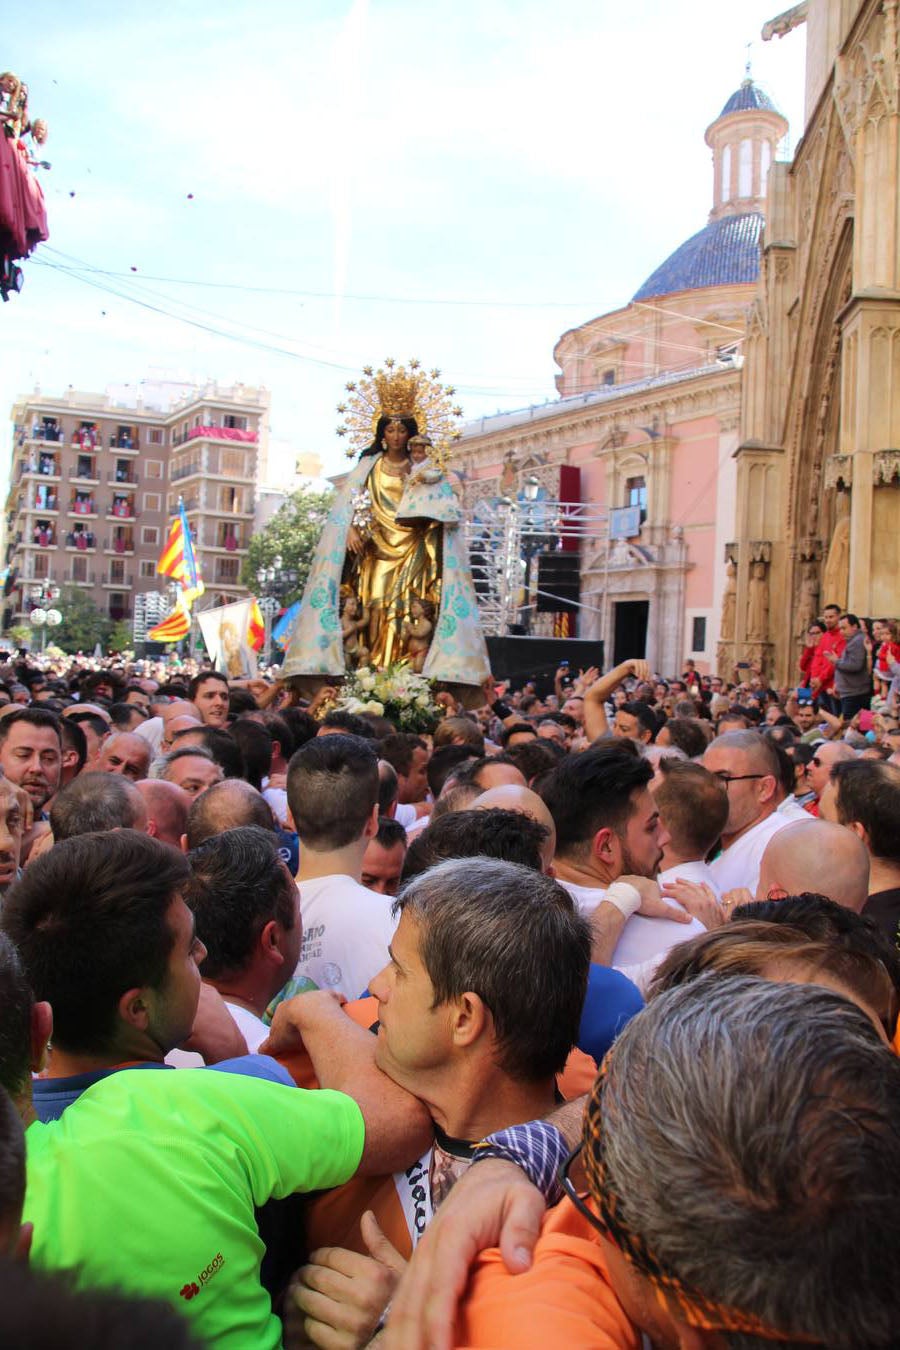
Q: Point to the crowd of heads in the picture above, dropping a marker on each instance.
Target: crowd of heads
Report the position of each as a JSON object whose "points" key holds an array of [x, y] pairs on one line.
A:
{"points": [[183, 860]]}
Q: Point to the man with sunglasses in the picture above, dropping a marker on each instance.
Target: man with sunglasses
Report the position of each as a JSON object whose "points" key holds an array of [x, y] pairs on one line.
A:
{"points": [[747, 766], [823, 761]]}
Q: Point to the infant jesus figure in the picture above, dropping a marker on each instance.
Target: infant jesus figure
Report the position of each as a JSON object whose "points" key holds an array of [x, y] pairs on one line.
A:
{"points": [[354, 618], [417, 632]]}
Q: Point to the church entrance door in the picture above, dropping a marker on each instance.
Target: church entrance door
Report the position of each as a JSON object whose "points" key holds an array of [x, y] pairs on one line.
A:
{"points": [[630, 629]]}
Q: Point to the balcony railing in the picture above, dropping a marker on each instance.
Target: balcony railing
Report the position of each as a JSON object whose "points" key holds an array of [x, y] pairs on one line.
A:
{"points": [[185, 471], [216, 434], [85, 541], [86, 439], [82, 508], [89, 579], [43, 538], [125, 582], [39, 469], [234, 543], [79, 476], [131, 443], [45, 433], [121, 511], [119, 544], [116, 479]]}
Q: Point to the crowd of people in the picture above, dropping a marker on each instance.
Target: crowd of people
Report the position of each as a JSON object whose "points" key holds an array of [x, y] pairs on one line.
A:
{"points": [[571, 1023]]}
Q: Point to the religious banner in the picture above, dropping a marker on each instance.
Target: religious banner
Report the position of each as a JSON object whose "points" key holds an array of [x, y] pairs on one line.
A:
{"points": [[226, 632]]}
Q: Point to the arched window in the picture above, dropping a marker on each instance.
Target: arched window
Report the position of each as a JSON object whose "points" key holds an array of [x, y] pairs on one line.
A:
{"points": [[745, 170], [725, 185]]}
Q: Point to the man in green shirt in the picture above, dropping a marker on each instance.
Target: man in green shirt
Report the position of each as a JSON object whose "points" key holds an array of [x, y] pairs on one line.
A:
{"points": [[149, 1181]]}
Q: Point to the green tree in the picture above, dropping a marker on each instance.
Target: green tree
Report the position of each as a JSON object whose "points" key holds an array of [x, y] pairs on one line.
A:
{"points": [[121, 637], [292, 535], [21, 634], [83, 624]]}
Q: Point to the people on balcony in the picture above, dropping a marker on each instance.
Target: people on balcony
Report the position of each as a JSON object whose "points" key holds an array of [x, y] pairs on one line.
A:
{"points": [[86, 437]]}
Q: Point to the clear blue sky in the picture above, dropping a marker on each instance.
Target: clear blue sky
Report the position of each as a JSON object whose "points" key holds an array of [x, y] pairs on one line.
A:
{"points": [[532, 161]]}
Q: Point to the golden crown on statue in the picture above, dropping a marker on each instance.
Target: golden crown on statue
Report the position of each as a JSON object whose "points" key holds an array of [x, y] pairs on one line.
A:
{"points": [[401, 391]]}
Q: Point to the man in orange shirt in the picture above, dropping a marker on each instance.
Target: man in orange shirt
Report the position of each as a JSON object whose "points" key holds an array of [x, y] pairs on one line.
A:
{"points": [[702, 1221]]}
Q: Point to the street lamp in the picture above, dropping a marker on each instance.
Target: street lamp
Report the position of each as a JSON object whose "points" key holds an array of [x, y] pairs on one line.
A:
{"points": [[44, 615]]}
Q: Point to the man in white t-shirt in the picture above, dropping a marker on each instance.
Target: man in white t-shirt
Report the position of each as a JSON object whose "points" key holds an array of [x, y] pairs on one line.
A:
{"points": [[747, 765], [245, 901], [333, 795], [408, 756], [693, 807], [608, 830]]}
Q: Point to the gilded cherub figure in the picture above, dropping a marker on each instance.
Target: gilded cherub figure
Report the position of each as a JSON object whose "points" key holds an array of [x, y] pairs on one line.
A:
{"points": [[417, 632], [354, 618]]}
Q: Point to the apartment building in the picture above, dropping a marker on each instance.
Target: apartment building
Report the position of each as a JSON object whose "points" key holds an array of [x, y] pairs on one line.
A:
{"points": [[95, 482]]}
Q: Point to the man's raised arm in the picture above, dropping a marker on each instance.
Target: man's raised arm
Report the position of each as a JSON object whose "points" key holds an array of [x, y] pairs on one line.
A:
{"points": [[398, 1127]]}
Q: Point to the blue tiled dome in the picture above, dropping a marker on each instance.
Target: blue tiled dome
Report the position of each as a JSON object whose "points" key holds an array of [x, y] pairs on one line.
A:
{"points": [[724, 253], [746, 99]]}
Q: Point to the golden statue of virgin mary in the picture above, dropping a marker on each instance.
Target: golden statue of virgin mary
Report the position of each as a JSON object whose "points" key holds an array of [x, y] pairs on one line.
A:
{"points": [[391, 539], [391, 562]]}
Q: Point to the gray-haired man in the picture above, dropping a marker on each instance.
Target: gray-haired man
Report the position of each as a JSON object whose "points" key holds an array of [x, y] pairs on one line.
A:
{"points": [[703, 1226]]}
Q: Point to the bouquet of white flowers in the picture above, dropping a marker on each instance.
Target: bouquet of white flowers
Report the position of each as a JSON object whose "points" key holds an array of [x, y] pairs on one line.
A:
{"points": [[398, 693]]}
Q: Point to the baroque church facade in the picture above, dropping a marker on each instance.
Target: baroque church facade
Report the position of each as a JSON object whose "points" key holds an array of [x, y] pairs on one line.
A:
{"points": [[648, 414], [749, 395]]}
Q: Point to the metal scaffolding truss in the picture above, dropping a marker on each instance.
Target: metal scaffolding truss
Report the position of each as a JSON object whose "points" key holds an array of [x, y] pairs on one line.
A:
{"points": [[503, 537]]}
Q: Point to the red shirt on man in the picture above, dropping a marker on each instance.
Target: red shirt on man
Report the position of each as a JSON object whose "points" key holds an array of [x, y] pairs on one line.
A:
{"points": [[821, 668]]}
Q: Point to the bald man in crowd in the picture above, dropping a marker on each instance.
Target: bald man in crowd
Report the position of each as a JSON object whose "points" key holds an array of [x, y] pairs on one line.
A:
{"points": [[167, 810], [747, 766], [815, 856], [228, 805]]}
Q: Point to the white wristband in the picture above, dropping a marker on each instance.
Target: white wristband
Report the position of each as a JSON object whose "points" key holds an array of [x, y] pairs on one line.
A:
{"points": [[625, 897]]}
